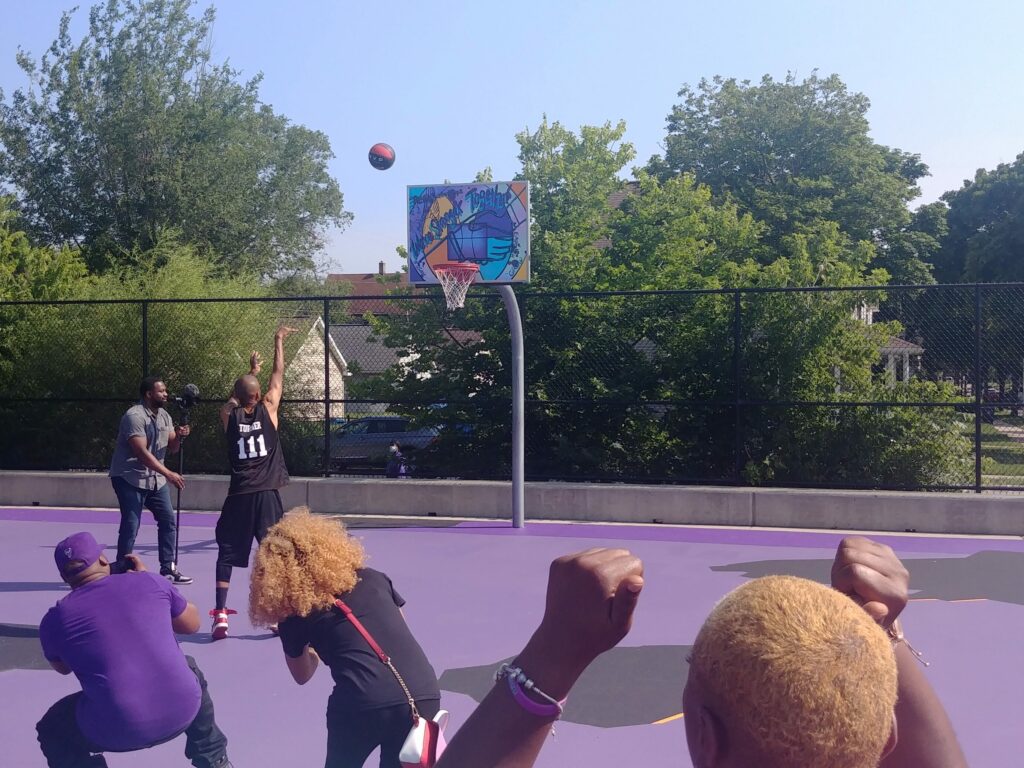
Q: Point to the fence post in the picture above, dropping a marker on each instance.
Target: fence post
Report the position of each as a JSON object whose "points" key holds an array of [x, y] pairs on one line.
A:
{"points": [[145, 338], [327, 388], [977, 388], [737, 343]]}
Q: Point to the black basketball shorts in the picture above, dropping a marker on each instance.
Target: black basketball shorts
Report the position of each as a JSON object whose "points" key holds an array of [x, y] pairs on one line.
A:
{"points": [[244, 517]]}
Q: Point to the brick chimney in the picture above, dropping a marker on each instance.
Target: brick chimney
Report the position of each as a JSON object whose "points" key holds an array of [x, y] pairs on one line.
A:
{"points": [[380, 268]]}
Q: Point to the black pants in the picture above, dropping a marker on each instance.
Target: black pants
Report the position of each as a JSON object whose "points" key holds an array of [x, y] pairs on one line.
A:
{"points": [[352, 737], [65, 746], [244, 517]]}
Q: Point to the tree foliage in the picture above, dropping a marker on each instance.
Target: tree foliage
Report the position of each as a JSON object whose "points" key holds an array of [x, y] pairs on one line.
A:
{"points": [[797, 152], [86, 359], [643, 386], [135, 155], [28, 272], [135, 129], [986, 227]]}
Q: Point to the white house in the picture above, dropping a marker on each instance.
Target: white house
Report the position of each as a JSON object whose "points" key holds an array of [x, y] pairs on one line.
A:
{"points": [[901, 359], [304, 376]]}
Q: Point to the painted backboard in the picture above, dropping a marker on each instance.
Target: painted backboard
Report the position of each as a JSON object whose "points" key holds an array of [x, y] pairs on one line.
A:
{"points": [[487, 224]]}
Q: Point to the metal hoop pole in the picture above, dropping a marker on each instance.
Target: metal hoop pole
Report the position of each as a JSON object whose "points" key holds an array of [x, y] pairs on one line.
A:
{"points": [[181, 471], [515, 323], [177, 511]]}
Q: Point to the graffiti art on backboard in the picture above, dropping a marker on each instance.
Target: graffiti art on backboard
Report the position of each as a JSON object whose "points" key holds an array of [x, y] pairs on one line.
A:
{"points": [[487, 224]]}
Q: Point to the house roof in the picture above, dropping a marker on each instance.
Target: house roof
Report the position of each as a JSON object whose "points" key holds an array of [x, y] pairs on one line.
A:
{"points": [[370, 356], [368, 284], [313, 338], [897, 346], [361, 350]]}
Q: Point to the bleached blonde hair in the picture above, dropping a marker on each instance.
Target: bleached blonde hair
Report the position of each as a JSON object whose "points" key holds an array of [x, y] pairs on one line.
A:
{"points": [[798, 673], [302, 564]]}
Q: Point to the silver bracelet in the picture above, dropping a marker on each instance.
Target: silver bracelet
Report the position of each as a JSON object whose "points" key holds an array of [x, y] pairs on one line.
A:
{"points": [[895, 633]]}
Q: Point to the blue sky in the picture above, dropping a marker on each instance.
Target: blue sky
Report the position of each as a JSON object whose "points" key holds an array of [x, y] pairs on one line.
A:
{"points": [[449, 84]]}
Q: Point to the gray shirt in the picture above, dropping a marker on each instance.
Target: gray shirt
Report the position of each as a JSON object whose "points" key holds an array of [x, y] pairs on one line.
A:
{"points": [[156, 428]]}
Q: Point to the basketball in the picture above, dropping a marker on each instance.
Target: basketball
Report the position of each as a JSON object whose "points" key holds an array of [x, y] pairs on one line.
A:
{"points": [[382, 156]]}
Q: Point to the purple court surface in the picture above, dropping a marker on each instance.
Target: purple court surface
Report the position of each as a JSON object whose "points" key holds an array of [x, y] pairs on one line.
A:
{"points": [[475, 592]]}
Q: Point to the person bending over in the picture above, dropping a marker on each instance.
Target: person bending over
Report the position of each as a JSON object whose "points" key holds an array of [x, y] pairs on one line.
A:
{"points": [[115, 632], [253, 503], [305, 565]]}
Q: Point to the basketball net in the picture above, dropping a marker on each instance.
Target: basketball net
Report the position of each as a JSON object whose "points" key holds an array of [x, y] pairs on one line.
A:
{"points": [[455, 279]]}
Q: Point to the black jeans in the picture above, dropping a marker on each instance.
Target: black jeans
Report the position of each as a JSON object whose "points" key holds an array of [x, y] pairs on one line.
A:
{"points": [[65, 746], [131, 500], [352, 737]]}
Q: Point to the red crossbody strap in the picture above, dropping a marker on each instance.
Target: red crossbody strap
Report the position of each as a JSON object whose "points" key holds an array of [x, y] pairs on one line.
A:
{"points": [[385, 659], [362, 631]]}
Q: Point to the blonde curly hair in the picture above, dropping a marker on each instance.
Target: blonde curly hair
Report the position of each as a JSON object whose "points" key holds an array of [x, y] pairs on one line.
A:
{"points": [[302, 564], [799, 673]]}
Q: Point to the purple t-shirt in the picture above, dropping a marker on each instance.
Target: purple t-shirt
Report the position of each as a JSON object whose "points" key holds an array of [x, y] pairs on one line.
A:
{"points": [[115, 634]]}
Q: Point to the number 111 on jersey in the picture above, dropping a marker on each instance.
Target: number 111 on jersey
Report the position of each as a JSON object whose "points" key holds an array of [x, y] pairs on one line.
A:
{"points": [[251, 444]]}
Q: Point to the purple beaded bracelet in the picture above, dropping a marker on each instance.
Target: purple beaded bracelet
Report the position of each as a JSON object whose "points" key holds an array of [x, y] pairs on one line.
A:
{"points": [[517, 681]]}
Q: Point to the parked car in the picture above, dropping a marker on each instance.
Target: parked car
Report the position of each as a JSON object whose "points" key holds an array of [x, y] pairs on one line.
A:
{"points": [[366, 441]]}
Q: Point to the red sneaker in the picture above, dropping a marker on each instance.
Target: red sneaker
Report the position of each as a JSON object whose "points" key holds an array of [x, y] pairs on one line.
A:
{"points": [[220, 622]]}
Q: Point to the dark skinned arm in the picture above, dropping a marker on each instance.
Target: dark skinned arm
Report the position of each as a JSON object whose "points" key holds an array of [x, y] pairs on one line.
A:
{"points": [[872, 575], [590, 602], [275, 390], [137, 444]]}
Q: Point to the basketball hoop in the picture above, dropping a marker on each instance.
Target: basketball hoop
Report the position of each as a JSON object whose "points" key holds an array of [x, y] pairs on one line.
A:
{"points": [[455, 279]]}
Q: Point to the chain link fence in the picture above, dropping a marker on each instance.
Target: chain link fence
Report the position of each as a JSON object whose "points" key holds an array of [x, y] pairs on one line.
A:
{"points": [[886, 387]]}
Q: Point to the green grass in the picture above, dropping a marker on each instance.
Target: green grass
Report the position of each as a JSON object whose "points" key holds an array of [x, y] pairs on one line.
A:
{"points": [[1002, 456]]}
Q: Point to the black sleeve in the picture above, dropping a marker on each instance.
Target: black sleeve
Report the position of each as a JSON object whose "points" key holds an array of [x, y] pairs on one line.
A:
{"points": [[399, 600], [294, 637]]}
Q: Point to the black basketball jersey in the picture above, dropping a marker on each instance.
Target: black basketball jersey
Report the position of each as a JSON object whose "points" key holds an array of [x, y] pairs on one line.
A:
{"points": [[257, 462]]}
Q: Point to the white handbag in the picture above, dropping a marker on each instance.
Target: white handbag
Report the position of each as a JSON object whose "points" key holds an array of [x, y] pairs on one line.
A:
{"points": [[425, 742]]}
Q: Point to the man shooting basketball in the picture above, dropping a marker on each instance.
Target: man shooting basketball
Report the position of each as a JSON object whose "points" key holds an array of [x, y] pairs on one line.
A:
{"points": [[258, 470]]}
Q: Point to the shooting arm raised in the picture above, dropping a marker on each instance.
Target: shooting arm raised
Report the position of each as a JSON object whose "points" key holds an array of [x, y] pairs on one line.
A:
{"points": [[276, 388]]}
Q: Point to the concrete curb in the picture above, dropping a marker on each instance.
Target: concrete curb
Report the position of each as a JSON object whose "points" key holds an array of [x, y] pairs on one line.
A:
{"points": [[960, 513]]}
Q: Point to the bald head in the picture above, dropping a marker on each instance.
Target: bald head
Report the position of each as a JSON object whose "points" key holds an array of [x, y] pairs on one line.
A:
{"points": [[785, 672], [247, 390]]}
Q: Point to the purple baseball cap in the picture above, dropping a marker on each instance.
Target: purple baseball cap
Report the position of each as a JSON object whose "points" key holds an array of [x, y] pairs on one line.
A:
{"points": [[78, 546]]}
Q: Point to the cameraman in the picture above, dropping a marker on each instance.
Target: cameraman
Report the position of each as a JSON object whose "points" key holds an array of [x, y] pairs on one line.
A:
{"points": [[116, 633], [140, 478]]}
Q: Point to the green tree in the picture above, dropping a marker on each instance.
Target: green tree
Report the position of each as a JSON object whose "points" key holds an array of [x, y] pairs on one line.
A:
{"points": [[28, 272], [643, 386], [796, 152], [984, 243], [572, 178], [80, 363], [135, 129], [986, 227]]}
